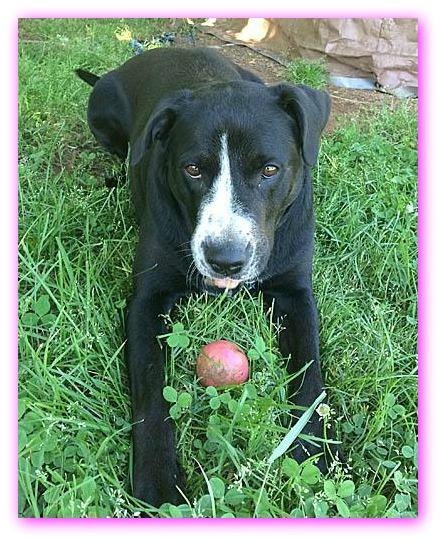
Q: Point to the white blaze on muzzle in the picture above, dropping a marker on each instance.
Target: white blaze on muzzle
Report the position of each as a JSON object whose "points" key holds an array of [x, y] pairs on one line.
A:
{"points": [[220, 216]]}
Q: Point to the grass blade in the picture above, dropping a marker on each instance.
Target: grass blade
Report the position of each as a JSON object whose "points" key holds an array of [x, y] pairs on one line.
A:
{"points": [[295, 431]]}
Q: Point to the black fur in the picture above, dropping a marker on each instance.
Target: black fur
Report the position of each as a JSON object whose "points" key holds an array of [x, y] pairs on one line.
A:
{"points": [[86, 76], [168, 104]]}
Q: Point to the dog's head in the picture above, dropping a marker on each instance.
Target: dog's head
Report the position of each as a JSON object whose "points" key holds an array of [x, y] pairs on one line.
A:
{"points": [[235, 155]]}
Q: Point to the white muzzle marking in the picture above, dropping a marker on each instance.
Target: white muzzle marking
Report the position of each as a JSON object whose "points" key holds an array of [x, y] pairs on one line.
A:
{"points": [[221, 218]]}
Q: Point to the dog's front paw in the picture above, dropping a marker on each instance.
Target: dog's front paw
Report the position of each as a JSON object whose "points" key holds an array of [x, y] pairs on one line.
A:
{"points": [[326, 452], [304, 450], [157, 475], [162, 482]]}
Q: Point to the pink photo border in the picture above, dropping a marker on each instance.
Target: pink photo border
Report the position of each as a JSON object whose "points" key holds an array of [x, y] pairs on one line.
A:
{"points": [[30, 525]]}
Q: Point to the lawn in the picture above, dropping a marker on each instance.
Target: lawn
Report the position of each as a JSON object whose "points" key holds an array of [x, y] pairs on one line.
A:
{"points": [[77, 240]]}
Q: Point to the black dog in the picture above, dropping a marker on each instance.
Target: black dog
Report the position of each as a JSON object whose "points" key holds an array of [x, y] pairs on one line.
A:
{"points": [[219, 162]]}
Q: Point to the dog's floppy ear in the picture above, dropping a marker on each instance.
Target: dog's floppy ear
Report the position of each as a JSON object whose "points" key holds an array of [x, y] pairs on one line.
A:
{"points": [[311, 109], [159, 124]]}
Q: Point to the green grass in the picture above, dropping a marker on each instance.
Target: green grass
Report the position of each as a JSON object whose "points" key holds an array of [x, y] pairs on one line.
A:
{"points": [[77, 241], [310, 72]]}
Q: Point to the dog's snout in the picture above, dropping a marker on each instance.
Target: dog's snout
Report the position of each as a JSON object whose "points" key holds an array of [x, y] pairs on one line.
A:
{"points": [[226, 259]]}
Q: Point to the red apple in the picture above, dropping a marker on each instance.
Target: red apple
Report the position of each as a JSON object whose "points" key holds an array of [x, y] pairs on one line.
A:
{"points": [[221, 363]]}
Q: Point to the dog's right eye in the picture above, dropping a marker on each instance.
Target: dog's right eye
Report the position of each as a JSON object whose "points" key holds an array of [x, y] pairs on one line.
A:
{"points": [[193, 171], [270, 170]]}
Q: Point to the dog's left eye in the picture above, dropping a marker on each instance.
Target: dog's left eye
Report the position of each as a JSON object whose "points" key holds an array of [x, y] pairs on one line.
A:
{"points": [[270, 170], [193, 171]]}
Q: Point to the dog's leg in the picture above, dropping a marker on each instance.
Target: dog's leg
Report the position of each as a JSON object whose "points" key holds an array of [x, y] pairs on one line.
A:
{"points": [[156, 472], [295, 307]]}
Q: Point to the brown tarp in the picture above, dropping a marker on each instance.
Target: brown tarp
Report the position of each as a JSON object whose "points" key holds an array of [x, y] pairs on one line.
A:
{"points": [[382, 50]]}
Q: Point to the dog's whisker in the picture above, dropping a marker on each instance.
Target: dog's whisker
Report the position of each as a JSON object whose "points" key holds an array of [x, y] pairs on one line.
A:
{"points": [[189, 274], [194, 273], [185, 255], [187, 281], [185, 245], [146, 270]]}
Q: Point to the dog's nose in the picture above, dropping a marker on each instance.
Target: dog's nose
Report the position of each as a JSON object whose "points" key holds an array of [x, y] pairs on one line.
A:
{"points": [[226, 260]]}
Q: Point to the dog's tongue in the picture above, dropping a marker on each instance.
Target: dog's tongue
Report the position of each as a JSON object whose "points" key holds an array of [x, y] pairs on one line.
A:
{"points": [[225, 283]]}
